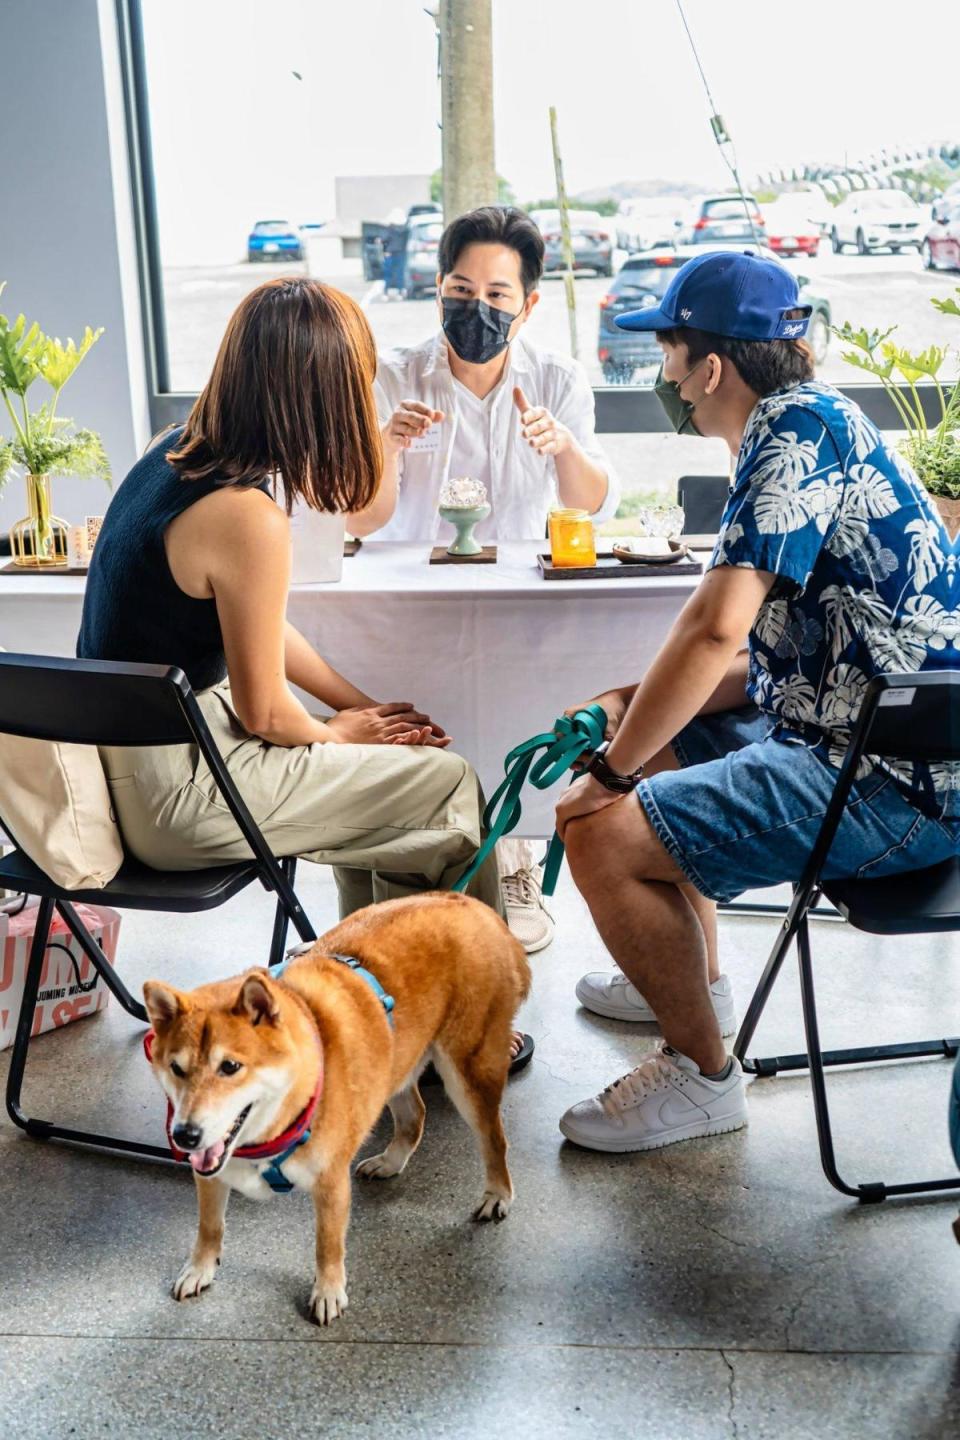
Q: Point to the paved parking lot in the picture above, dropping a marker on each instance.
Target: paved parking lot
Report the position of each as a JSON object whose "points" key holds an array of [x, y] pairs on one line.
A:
{"points": [[873, 290]]}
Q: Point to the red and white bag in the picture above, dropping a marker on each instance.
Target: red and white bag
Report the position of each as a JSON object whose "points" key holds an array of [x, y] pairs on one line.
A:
{"points": [[60, 998]]}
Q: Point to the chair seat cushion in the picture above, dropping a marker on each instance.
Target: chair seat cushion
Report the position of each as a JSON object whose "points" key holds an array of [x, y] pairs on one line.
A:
{"points": [[136, 886], [914, 903]]}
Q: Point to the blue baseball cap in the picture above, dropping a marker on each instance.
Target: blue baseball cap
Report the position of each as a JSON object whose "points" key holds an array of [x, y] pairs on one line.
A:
{"points": [[742, 296]]}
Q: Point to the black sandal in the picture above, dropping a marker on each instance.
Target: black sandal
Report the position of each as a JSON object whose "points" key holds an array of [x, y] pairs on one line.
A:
{"points": [[520, 1061]]}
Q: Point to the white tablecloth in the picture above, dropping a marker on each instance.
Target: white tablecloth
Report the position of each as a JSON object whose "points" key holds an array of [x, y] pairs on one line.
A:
{"points": [[493, 652]]}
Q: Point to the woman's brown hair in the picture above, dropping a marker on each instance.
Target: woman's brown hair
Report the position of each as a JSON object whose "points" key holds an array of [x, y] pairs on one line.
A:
{"points": [[291, 395]]}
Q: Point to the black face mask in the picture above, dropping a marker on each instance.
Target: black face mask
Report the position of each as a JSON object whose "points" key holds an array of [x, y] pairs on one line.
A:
{"points": [[679, 411], [476, 331]]}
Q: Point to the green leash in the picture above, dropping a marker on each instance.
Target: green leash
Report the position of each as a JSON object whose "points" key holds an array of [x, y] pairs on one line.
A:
{"points": [[561, 747]]}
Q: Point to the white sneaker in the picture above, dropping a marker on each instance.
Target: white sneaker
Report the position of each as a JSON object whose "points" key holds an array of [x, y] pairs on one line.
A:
{"points": [[610, 993], [664, 1100], [529, 919]]}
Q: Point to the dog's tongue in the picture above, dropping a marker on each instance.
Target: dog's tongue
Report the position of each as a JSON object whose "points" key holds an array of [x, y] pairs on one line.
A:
{"points": [[203, 1160]]}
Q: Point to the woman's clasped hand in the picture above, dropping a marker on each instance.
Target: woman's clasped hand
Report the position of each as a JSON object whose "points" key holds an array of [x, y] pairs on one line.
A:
{"points": [[396, 723]]}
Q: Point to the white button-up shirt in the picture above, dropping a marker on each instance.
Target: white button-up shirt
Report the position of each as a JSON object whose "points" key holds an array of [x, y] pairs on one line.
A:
{"points": [[521, 484]]}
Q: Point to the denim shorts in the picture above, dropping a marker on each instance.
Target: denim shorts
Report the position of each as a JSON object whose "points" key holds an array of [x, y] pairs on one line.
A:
{"points": [[744, 811]]}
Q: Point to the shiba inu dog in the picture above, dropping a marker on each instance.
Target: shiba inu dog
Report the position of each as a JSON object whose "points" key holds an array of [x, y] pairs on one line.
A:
{"points": [[273, 1081]]}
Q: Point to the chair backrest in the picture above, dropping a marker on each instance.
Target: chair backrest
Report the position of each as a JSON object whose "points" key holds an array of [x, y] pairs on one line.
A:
{"points": [[912, 717], [704, 498], [94, 702], [903, 717]]}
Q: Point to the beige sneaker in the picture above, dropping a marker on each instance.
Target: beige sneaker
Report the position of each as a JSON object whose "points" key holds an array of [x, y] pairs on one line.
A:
{"points": [[529, 919]]}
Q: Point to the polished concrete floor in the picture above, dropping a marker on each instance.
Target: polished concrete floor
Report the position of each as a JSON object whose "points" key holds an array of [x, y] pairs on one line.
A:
{"points": [[715, 1289]]}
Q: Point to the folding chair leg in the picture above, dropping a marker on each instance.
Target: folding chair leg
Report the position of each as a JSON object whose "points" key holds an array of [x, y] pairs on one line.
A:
{"points": [[100, 962], [758, 1003], [818, 1080], [45, 1129], [817, 1061], [281, 920]]}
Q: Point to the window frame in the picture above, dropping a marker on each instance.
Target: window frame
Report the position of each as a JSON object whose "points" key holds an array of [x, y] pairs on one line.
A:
{"points": [[620, 409]]}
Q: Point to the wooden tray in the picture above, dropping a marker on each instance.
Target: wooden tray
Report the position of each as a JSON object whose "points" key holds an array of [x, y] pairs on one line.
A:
{"points": [[608, 567], [42, 570], [487, 556]]}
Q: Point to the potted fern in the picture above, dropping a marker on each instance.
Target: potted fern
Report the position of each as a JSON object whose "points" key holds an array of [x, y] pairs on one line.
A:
{"points": [[932, 450], [42, 443]]}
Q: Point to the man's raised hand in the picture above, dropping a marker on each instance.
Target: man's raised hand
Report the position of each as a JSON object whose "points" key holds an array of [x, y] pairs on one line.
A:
{"points": [[539, 428]]}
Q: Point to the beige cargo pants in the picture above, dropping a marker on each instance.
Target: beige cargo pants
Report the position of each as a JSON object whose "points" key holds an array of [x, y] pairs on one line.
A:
{"points": [[392, 820]]}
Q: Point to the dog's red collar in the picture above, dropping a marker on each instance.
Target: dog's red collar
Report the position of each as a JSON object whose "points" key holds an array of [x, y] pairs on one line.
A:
{"points": [[282, 1144]]}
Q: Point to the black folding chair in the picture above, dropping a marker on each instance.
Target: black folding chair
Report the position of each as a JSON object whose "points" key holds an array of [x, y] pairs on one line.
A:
{"points": [[703, 498], [905, 717], [92, 702]]}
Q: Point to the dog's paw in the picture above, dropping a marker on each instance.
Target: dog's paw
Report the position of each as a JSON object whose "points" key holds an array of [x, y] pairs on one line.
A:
{"points": [[327, 1303], [378, 1167], [492, 1207], [194, 1279]]}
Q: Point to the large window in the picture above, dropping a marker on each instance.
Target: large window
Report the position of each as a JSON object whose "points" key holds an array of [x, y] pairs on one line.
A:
{"points": [[304, 142]]}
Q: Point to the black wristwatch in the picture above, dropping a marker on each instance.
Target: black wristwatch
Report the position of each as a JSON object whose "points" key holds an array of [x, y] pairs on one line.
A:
{"points": [[609, 778]]}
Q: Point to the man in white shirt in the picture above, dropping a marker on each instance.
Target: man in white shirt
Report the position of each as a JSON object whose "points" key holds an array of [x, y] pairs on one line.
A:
{"points": [[479, 400]]}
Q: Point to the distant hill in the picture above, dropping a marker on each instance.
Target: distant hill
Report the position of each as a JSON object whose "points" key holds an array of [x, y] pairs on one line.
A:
{"points": [[639, 190]]}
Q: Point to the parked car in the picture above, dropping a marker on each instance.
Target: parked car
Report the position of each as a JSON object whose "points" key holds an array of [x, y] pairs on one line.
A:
{"points": [[642, 281], [877, 219], [274, 240], [944, 203], [723, 217], [639, 284], [590, 235], [423, 242], [790, 229], [644, 224], [428, 207], [941, 244]]}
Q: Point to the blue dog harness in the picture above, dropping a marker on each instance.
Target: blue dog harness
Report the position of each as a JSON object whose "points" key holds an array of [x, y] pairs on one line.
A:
{"points": [[273, 1174], [386, 1000]]}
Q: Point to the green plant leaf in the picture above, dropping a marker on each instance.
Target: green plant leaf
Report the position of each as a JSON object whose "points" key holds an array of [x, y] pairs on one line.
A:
{"points": [[948, 306], [7, 460], [21, 354], [914, 366], [867, 362], [59, 361], [865, 340]]}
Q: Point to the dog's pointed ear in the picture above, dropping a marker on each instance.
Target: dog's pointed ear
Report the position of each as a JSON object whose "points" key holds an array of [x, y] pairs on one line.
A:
{"points": [[258, 999], [164, 1004]]}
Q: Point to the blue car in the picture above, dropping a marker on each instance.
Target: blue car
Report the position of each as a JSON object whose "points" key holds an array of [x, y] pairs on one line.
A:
{"points": [[274, 240]]}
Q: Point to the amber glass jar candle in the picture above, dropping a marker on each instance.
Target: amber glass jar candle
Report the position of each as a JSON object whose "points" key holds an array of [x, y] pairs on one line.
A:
{"points": [[572, 539]]}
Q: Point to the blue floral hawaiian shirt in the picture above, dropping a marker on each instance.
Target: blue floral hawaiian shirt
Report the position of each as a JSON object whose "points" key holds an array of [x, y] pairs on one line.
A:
{"points": [[867, 577]]}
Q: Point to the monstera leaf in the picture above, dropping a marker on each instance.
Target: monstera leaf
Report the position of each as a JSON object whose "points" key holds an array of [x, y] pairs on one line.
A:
{"points": [[914, 367], [59, 361], [868, 363], [947, 307], [866, 340], [21, 354]]}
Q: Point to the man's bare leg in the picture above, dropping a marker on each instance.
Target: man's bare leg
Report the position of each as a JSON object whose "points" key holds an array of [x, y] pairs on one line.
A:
{"points": [[704, 909], [639, 900]]}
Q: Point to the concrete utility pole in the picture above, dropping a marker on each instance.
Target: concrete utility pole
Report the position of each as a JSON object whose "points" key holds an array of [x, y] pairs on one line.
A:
{"points": [[466, 102]]}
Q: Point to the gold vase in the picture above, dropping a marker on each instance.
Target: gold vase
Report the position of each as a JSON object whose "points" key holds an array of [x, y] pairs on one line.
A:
{"points": [[40, 539]]}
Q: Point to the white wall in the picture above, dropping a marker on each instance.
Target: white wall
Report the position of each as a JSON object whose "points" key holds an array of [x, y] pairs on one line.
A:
{"points": [[66, 233]]}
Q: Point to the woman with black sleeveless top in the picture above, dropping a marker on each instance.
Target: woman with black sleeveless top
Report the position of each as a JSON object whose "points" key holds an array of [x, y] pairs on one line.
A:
{"points": [[192, 568]]}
